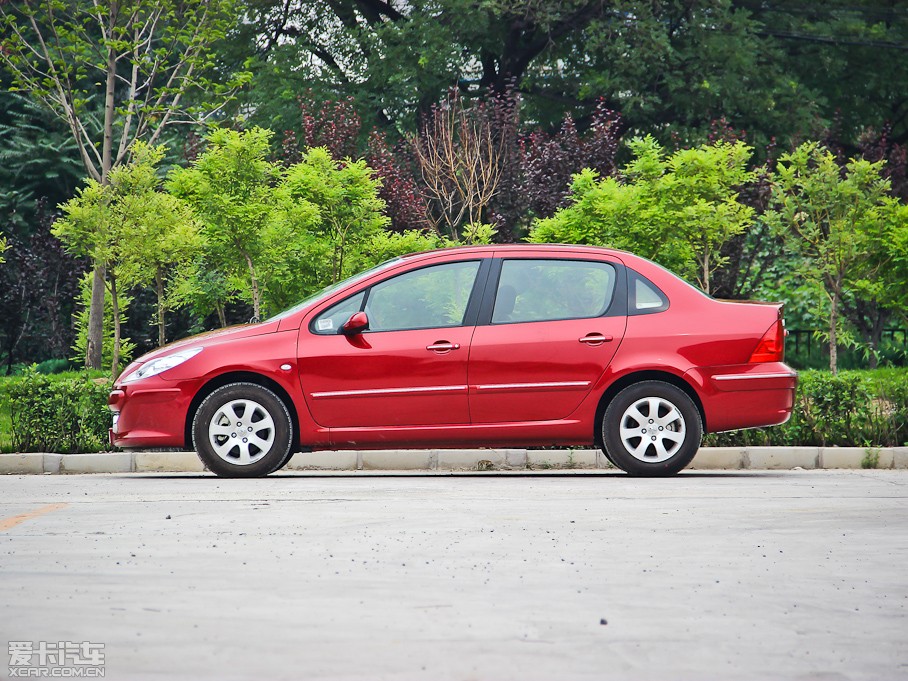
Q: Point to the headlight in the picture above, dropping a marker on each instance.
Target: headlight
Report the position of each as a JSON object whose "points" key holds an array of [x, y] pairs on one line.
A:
{"points": [[161, 364]]}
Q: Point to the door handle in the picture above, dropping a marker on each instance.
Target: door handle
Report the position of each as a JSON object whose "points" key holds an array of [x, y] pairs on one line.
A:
{"points": [[443, 346], [595, 339]]}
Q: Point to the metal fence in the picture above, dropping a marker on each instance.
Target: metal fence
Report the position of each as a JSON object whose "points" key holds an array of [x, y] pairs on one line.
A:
{"points": [[803, 343]]}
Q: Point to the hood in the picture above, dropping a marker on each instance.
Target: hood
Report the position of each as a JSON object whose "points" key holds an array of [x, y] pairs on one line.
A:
{"points": [[210, 338]]}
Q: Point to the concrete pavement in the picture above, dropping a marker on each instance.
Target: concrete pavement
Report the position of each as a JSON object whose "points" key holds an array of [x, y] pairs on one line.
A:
{"points": [[524, 575]]}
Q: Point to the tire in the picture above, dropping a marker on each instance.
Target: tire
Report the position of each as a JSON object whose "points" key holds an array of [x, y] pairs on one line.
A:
{"points": [[284, 461], [242, 430], [668, 423]]}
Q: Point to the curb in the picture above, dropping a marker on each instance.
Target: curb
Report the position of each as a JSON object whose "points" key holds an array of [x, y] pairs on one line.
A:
{"points": [[708, 458]]}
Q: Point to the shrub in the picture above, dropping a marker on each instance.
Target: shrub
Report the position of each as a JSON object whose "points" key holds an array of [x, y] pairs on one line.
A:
{"points": [[58, 414], [53, 366]]}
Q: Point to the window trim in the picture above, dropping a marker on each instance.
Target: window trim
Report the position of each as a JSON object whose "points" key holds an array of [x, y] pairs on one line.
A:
{"points": [[617, 307], [470, 314]]}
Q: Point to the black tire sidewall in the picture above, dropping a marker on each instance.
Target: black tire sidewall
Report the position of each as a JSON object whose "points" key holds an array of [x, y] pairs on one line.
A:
{"points": [[283, 430], [611, 422]]}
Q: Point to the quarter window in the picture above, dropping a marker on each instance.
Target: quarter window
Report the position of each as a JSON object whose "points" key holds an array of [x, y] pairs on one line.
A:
{"points": [[331, 320], [545, 290], [645, 296]]}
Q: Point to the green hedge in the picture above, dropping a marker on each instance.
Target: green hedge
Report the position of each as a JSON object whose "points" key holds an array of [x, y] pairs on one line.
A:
{"points": [[63, 413], [854, 408], [68, 413]]}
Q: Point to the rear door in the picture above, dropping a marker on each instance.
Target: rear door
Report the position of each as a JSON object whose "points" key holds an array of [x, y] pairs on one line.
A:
{"points": [[548, 329]]}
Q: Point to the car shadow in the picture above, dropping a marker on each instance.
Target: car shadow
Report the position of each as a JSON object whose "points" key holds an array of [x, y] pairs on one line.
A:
{"points": [[531, 474]]}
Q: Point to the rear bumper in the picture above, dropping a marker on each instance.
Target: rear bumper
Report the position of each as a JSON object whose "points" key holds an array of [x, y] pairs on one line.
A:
{"points": [[745, 395], [149, 415]]}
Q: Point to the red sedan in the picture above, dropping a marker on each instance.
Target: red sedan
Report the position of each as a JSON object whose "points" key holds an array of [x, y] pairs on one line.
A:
{"points": [[484, 346]]}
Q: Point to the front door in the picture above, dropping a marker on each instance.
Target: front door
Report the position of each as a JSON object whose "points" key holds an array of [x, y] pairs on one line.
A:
{"points": [[410, 367], [554, 329]]}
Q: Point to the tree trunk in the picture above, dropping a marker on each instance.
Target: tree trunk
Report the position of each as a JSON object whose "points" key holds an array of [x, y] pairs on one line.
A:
{"points": [[222, 316], [115, 360], [256, 294], [96, 309], [833, 327], [95, 320], [876, 336], [159, 289]]}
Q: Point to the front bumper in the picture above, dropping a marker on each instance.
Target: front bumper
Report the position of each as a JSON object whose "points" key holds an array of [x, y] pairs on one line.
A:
{"points": [[150, 414]]}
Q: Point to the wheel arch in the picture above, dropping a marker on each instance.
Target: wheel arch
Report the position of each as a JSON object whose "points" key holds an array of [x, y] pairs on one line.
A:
{"points": [[240, 377], [637, 377]]}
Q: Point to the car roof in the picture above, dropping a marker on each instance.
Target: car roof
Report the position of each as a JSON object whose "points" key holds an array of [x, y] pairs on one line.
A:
{"points": [[484, 249]]}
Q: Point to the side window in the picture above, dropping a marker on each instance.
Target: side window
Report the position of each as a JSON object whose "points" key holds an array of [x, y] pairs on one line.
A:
{"points": [[644, 296], [331, 320], [431, 297], [544, 290]]}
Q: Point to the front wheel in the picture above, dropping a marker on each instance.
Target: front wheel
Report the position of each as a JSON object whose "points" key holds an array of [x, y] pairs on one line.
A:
{"points": [[651, 428], [242, 430]]}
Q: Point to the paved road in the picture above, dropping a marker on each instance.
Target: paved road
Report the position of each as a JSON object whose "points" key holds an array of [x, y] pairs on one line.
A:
{"points": [[523, 576]]}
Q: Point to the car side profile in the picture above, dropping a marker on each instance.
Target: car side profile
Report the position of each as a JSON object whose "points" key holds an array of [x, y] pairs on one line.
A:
{"points": [[505, 345]]}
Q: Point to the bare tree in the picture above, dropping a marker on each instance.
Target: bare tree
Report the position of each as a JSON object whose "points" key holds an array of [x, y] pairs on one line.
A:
{"points": [[460, 159]]}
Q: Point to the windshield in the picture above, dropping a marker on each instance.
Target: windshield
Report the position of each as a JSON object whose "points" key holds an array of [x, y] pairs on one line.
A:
{"points": [[333, 288]]}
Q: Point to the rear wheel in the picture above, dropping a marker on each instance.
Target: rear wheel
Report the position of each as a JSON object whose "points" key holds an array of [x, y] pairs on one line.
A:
{"points": [[242, 430], [651, 428]]}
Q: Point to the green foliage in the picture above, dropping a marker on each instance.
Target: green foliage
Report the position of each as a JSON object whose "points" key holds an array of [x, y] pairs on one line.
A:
{"points": [[871, 458], [890, 287], [107, 344], [668, 67], [477, 233], [849, 409], [328, 209], [131, 229], [38, 160], [128, 225], [53, 366], [839, 224], [677, 210], [57, 414], [231, 188], [274, 236]]}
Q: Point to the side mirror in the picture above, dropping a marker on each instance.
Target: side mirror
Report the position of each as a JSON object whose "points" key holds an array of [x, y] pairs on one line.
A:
{"points": [[357, 323]]}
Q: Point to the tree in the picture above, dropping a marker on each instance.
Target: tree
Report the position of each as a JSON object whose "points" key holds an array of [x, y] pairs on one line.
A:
{"points": [[39, 162], [349, 210], [128, 227], [38, 284], [150, 57], [678, 210], [160, 232], [666, 67], [860, 48], [837, 222], [549, 160], [461, 161], [230, 186]]}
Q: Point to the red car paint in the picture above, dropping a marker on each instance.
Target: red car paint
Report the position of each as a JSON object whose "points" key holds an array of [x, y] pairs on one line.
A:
{"points": [[483, 384]]}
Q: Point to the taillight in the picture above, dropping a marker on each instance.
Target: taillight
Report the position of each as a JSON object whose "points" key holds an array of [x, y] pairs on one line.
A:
{"points": [[771, 347]]}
